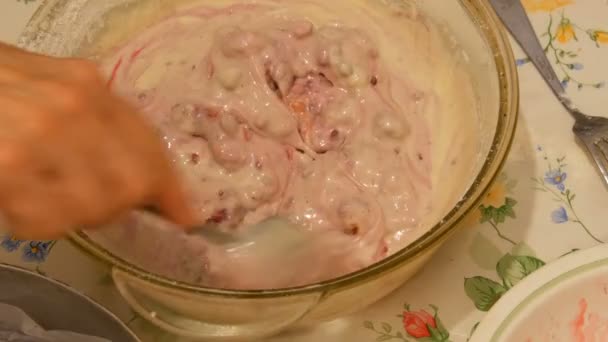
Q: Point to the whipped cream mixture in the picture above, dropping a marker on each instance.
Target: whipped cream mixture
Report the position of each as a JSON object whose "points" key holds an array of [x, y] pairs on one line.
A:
{"points": [[323, 112]]}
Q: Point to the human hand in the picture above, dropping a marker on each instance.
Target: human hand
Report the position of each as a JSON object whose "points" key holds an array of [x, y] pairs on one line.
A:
{"points": [[72, 154]]}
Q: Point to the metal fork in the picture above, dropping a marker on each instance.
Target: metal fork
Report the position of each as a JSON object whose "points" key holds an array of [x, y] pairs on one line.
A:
{"points": [[592, 131]]}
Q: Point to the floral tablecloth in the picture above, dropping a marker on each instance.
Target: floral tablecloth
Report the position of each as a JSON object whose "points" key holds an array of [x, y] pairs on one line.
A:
{"points": [[548, 202]]}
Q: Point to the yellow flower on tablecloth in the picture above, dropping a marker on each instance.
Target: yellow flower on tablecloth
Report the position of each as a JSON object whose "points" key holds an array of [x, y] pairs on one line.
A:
{"points": [[496, 197], [599, 36], [544, 5], [565, 31]]}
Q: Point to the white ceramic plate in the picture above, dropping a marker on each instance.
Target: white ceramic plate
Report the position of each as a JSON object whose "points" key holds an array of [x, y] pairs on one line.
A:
{"points": [[564, 301]]}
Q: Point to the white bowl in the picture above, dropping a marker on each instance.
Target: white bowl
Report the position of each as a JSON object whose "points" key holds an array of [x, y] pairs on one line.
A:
{"points": [[564, 301]]}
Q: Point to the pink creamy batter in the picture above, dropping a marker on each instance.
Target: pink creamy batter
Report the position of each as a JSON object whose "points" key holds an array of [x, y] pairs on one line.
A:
{"points": [[285, 117]]}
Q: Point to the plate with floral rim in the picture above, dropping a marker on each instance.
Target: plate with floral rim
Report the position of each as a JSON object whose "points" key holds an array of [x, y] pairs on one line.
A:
{"points": [[564, 301]]}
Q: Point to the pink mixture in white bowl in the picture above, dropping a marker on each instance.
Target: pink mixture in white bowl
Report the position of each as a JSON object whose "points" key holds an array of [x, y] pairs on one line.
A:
{"points": [[280, 108]]}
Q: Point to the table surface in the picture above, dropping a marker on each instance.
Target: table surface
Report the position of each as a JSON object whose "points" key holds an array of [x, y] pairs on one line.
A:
{"points": [[548, 201]]}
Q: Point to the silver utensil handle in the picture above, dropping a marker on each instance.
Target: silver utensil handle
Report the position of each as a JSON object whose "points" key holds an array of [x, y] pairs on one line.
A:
{"points": [[515, 18]]}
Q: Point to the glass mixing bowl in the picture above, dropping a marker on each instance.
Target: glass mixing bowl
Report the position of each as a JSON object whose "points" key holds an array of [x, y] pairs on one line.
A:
{"points": [[207, 313]]}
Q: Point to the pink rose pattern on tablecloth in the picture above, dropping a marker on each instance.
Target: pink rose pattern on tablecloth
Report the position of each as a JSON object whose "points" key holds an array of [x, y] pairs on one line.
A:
{"points": [[419, 325]]}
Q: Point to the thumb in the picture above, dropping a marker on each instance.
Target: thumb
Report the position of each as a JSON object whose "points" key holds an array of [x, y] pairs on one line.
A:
{"points": [[173, 203]]}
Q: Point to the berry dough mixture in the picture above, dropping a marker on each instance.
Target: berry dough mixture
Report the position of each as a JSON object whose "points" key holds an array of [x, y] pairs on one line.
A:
{"points": [[323, 112]]}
